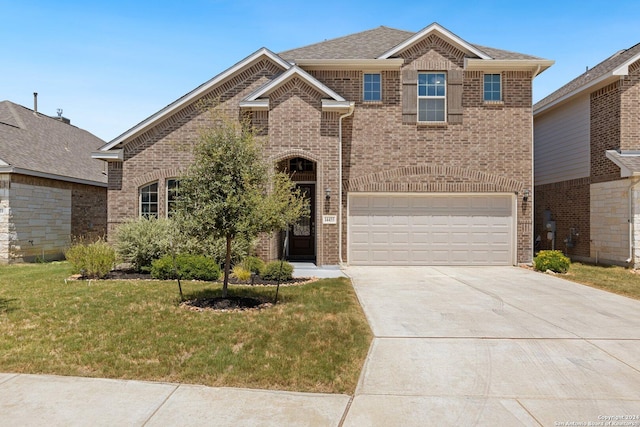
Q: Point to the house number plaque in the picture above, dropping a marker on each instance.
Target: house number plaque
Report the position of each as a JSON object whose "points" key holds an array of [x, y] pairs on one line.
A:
{"points": [[329, 219]]}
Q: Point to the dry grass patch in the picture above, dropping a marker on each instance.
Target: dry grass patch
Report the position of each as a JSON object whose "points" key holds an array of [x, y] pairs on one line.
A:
{"points": [[614, 279], [315, 339]]}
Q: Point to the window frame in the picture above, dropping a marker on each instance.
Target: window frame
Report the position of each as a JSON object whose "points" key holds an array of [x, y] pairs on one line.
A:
{"points": [[141, 203], [492, 87], [171, 200], [435, 97], [364, 87]]}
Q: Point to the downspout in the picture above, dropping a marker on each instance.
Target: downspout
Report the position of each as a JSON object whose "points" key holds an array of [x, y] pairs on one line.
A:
{"points": [[631, 260], [352, 107]]}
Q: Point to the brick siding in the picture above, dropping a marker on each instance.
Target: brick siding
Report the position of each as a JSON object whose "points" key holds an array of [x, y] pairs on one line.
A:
{"points": [[490, 151]]}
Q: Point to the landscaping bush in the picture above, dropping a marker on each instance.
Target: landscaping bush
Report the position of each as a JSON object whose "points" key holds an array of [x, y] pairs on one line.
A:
{"points": [[253, 264], [141, 241], [551, 260], [94, 260], [271, 271], [241, 273], [188, 267]]}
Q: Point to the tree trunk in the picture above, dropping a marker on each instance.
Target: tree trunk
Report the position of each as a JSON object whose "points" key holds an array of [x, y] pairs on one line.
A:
{"points": [[227, 267]]}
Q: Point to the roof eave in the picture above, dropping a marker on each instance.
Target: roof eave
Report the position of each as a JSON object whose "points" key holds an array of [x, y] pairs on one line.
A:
{"points": [[351, 64], [109, 156], [538, 65], [28, 172], [625, 172], [330, 105], [595, 84], [193, 95]]}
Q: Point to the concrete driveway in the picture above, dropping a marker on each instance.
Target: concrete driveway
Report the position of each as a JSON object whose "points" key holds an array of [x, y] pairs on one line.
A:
{"points": [[494, 346]]}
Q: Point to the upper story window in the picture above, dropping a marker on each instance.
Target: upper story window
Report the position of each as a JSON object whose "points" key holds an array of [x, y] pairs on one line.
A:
{"points": [[173, 186], [432, 95], [372, 87], [149, 201], [492, 87]]}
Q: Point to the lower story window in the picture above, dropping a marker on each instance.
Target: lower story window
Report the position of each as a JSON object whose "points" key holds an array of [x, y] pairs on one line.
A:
{"points": [[149, 201], [173, 186]]}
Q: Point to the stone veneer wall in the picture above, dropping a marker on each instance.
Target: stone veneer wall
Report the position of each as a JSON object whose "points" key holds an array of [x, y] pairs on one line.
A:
{"points": [[609, 221], [39, 217]]}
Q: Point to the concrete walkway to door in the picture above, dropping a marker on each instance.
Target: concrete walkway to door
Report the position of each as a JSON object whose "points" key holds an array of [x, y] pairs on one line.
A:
{"points": [[494, 346]]}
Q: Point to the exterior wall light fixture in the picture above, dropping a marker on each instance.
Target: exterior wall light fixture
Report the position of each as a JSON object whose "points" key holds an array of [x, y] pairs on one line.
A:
{"points": [[525, 195], [327, 193]]}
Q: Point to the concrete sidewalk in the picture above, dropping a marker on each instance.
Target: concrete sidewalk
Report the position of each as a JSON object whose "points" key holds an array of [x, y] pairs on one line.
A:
{"points": [[494, 346], [453, 346], [44, 400]]}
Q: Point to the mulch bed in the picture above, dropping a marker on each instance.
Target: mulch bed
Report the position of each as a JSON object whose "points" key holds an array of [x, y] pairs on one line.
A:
{"points": [[229, 304]]}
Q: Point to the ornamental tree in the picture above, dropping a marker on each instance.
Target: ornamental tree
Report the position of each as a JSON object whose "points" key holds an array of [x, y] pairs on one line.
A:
{"points": [[231, 190]]}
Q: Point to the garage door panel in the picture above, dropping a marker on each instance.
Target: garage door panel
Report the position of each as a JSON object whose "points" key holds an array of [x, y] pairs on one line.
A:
{"points": [[431, 229]]}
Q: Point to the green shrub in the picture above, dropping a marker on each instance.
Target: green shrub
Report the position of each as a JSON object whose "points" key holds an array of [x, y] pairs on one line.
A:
{"points": [[216, 248], [141, 241], [188, 267], [253, 264], [551, 260], [272, 270], [241, 273], [93, 260]]}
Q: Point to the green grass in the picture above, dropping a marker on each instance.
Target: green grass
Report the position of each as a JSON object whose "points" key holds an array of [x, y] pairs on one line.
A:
{"points": [[614, 279], [315, 339]]}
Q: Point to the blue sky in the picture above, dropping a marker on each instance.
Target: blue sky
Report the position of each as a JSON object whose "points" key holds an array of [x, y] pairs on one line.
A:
{"points": [[113, 63]]}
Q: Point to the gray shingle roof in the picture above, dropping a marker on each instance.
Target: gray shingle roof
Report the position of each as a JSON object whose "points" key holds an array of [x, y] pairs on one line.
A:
{"points": [[364, 45], [371, 44], [39, 143], [606, 66]]}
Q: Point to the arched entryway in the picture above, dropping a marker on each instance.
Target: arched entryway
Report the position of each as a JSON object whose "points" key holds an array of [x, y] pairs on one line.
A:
{"points": [[301, 238]]}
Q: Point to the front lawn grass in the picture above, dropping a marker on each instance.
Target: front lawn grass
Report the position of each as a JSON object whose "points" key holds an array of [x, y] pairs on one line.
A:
{"points": [[614, 279], [314, 340]]}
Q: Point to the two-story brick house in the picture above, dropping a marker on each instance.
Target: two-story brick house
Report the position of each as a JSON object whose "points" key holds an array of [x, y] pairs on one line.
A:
{"points": [[587, 163], [413, 148]]}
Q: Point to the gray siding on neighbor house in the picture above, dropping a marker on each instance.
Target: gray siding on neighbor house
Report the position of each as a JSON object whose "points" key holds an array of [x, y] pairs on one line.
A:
{"points": [[561, 143]]}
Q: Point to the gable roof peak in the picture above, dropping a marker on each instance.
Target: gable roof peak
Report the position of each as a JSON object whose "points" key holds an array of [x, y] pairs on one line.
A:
{"points": [[442, 32]]}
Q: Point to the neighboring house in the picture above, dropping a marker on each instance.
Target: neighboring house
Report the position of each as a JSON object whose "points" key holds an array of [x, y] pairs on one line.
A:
{"points": [[587, 163], [50, 189], [413, 148]]}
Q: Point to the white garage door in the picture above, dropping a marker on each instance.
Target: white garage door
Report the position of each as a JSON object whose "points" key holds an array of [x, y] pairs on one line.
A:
{"points": [[415, 229]]}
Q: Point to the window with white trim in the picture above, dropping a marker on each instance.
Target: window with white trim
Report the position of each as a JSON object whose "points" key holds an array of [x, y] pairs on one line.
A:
{"points": [[149, 201], [372, 90], [432, 95], [173, 186], [492, 87]]}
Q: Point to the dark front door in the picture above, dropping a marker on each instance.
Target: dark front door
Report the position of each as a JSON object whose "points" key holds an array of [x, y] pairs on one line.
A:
{"points": [[302, 235]]}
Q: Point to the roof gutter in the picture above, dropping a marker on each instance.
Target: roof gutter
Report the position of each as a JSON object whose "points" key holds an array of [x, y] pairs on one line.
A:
{"points": [[11, 169], [352, 107]]}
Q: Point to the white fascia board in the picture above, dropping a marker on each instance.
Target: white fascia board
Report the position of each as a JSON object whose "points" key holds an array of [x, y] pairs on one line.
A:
{"points": [[286, 76], [338, 106], [55, 177], [257, 105], [623, 70], [625, 172], [195, 94], [598, 83], [443, 32], [110, 156], [351, 64], [473, 64]]}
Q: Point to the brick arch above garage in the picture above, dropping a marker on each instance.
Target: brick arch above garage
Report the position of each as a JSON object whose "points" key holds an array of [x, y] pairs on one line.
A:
{"points": [[434, 178]]}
